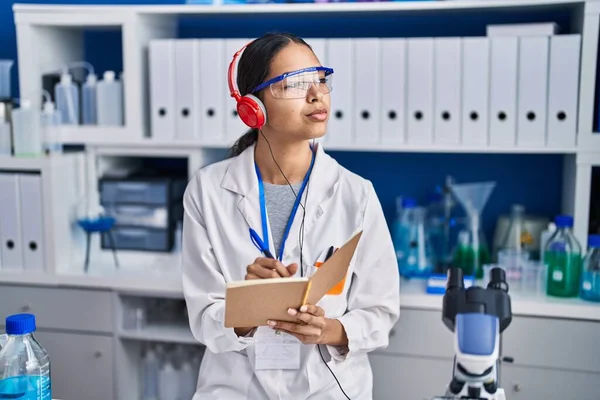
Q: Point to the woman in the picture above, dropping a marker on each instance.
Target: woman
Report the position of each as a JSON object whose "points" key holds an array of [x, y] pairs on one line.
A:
{"points": [[326, 356]]}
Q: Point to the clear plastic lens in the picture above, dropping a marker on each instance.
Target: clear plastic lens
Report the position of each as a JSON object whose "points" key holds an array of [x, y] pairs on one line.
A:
{"points": [[297, 86]]}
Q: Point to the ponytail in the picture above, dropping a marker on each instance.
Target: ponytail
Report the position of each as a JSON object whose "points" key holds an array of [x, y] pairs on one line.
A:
{"points": [[245, 141]]}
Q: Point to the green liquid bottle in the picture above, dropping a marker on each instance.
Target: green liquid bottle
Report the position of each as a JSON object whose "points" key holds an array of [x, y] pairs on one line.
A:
{"points": [[563, 259], [471, 258]]}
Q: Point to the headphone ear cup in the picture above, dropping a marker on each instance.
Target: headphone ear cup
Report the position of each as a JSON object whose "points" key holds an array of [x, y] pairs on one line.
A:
{"points": [[252, 111]]}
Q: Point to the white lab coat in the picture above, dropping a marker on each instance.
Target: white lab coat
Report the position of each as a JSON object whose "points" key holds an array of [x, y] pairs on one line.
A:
{"points": [[221, 204]]}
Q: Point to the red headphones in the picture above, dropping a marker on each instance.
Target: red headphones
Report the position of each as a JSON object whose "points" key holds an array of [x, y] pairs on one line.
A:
{"points": [[249, 107]]}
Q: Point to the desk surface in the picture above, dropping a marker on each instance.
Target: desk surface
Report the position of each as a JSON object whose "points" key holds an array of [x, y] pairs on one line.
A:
{"points": [[168, 283]]}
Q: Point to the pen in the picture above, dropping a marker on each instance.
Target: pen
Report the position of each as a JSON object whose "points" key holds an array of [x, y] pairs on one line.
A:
{"points": [[329, 253], [259, 243]]}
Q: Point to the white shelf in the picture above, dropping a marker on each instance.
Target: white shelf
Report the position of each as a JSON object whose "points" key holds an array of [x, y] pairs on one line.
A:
{"points": [[180, 334], [187, 9], [33, 164]]}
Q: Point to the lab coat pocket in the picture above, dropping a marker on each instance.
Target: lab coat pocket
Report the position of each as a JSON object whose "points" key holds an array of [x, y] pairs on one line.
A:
{"points": [[334, 305]]}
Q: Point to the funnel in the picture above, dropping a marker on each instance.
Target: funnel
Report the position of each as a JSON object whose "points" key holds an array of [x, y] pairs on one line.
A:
{"points": [[5, 66], [472, 252], [473, 196]]}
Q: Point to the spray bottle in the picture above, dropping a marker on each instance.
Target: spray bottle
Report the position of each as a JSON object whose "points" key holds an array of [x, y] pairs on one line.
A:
{"points": [[50, 124], [89, 114]]}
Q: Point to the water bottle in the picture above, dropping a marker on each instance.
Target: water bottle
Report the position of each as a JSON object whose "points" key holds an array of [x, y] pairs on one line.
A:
{"points": [[50, 125], [168, 384], [66, 93], [24, 364], [5, 135], [110, 100], [89, 105], [563, 258], [27, 137], [590, 281], [150, 368]]}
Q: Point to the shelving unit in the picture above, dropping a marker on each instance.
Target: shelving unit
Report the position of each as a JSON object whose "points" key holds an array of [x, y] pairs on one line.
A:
{"points": [[51, 35]]}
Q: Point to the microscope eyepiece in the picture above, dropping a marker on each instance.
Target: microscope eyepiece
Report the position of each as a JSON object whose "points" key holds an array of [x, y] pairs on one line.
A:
{"points": [[498, 279], [455, 279]]}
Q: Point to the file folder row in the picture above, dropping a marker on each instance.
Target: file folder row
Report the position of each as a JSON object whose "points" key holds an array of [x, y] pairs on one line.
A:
{"points": [[21, 222], [189, 93], [461, 92]]}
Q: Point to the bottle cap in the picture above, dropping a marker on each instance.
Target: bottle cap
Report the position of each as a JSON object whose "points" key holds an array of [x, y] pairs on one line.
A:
{"points": [[66, 78], [408, 202], [564, 221], [109, 76], [48, 107], [20, 324], [91, 79], [594, 241]]}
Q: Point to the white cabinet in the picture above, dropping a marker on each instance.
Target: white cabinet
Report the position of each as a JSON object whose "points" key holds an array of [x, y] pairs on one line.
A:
{"points": [[548, 384], [82, 365], [406, 377]]}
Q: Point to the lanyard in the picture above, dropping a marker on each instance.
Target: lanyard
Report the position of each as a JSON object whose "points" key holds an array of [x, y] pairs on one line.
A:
{"points": [[263, 208]]}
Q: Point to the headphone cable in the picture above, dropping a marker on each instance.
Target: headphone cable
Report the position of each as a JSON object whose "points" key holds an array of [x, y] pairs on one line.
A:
{"points": [[301, 243]]}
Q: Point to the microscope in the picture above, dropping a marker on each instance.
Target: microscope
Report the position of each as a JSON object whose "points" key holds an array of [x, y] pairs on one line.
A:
{"points": [[477, 316]]}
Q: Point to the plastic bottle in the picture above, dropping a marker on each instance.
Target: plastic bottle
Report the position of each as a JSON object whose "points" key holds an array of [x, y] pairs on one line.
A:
{"points": [[590, 281], [110, 100], [50, 121], [168, 382], [24, 364], [150, 369], [187, 380], [89, 104], [66, 93], [27, 138], [5, 135], [5, 67], [563, 258], [545, 236]]}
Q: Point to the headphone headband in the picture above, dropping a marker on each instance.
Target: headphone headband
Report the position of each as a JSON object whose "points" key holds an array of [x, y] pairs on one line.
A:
{"points": [[232, 74]]}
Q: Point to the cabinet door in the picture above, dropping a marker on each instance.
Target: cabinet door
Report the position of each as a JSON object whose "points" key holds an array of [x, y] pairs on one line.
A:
{"points": [[403, 377], [81, 365], [548, 384]]}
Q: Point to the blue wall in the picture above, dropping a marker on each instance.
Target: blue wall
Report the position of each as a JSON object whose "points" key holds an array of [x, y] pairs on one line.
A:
{"points": [[532, 180]]}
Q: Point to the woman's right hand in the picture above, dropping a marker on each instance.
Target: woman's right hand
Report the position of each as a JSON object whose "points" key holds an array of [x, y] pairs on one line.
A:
{"points": [[264, 268]]}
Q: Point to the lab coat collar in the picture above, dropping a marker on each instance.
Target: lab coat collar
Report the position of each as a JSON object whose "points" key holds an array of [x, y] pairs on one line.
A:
{"points": [[241, 179]]}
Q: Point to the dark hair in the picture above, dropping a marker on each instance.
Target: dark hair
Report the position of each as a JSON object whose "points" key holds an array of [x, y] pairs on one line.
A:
{"points": [[253, 69]]}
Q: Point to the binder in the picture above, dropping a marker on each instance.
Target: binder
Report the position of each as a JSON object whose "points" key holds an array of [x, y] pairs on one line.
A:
{"points": [[563, 90], [392, 110], [318, 46], [532, 91], [212, 96], [475, 92], [447, 78], [187, 88], [367, 78], [503, 91], [420, 91], [10, 224], [234, 127], [161, 56], [339, 126], [32, 221]]}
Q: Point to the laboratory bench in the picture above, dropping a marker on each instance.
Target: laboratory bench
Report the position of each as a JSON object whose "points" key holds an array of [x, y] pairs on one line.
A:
{"points": [[549, 351]]}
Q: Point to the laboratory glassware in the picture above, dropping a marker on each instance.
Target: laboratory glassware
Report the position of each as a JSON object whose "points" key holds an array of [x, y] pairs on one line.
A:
{"points": [[590, 282], [24, 363], [472, 250], [5, 89], [563, 258]]}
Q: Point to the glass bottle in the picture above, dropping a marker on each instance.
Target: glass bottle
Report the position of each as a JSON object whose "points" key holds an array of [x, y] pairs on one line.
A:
{"points": [[590, 281], [563, 259]]}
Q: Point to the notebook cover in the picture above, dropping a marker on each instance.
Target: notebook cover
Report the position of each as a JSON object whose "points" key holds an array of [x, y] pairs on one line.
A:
{"points": [[254, 304]]}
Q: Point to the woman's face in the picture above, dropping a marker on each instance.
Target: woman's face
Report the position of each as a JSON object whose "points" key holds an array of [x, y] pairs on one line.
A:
{"points": [[295, 119]]}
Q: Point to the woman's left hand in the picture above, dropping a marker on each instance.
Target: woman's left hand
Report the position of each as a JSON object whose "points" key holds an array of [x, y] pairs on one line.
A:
{"points": [[313, 328]]}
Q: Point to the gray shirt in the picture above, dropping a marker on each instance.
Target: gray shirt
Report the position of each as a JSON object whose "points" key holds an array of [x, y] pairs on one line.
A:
{"points": [[280, 202]]}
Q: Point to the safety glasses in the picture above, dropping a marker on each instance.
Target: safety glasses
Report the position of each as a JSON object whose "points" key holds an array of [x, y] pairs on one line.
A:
{"points": [[296, 84]]}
